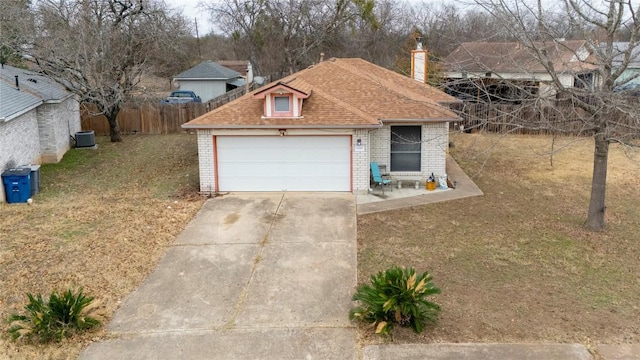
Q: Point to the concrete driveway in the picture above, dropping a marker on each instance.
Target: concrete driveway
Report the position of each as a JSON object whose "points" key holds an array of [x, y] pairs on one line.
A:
{"points": [[253, 276]]}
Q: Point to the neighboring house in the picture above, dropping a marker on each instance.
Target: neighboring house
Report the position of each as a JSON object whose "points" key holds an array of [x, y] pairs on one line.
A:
{"points": [[510, 71], [319, 129], [242, 67], [631, 76], [209, 80], [37, 118]]}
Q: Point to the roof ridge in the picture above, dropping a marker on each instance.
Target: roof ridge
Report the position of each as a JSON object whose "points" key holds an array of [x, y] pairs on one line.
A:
{"points": [[387, 85]]}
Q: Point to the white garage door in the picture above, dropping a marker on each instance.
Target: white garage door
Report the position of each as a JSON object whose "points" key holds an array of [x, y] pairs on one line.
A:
{"points": [[284, 163]]}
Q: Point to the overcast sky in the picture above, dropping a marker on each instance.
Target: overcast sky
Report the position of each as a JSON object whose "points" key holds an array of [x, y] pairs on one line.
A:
{"points": [[191, 11]]}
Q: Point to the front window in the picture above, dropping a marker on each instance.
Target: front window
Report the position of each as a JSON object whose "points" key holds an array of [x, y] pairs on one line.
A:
{"points": [[281, 104], [584, 81], [406, 144]]}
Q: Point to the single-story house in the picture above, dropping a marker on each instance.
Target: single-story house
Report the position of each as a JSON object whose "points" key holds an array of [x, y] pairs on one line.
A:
{"points": [[209, 80], [37, 119], [319, 129], [504, 71]]}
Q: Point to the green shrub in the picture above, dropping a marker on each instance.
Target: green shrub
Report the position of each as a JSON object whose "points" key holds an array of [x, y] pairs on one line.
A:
{"points": [[396, 296], [55, 319]]}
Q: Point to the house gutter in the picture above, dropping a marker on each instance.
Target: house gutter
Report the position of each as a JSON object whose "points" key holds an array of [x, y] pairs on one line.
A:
{"points": [[431, 120], [448, 102], [58, 101], [197, 126], [199, 79], [20, 113]]}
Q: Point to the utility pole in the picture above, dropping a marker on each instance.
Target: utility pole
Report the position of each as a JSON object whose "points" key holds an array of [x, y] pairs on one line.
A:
{"points": [[198, 39]]}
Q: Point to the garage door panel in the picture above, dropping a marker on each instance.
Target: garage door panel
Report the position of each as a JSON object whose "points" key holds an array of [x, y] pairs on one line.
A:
{"points": [[327, 170], [250, 170], [302, 163]]}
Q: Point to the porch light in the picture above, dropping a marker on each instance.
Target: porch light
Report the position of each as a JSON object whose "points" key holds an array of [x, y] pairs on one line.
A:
{"points": [[282, 131], [359, 142]]}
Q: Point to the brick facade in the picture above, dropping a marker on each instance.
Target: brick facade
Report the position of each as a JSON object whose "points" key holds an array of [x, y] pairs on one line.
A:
{"points": [[56, 122], [41, 135], [360, 161], [375, 146], [435, 141], [18, 143], [206, 162]]}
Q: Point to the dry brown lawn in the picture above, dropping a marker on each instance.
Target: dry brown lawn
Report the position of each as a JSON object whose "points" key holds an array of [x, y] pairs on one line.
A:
{"points": [[102, 221], [514, 265], [518, 265]]}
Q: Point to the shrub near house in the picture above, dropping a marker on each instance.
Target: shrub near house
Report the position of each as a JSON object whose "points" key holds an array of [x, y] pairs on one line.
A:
{"points": [[397, 296]]}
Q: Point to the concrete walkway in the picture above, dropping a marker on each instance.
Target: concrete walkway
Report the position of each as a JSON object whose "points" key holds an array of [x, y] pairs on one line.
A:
{"points": [[256, 276], [375, 201], [499, 352], [270, 276]]}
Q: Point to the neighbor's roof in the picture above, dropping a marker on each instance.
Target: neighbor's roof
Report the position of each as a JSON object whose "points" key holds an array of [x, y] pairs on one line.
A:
{"points": [[236, 82], [619, 48], [37, 84], [513, 57], [34, 90], [208, 70], [239, 66], [345, 93]]}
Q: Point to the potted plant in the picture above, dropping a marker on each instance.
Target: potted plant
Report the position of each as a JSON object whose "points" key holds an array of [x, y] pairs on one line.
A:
{"points": [[431, 182]]}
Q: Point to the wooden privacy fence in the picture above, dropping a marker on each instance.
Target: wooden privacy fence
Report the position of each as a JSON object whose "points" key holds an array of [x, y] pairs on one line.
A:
{"points": [[535, 120], [154, 118], [144, 118]]}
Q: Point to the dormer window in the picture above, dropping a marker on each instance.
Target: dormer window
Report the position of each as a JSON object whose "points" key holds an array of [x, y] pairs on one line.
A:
{"points": [[283, 100], [282, 104]]}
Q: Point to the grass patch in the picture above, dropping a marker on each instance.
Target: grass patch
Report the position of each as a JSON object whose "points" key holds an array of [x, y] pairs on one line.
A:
{"points": [[517, 265], [102, 221]]}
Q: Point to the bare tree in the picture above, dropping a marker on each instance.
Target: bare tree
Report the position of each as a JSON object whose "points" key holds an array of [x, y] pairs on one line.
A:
{"points": [[608, 115], [445, 25], [98, 49], [16, 22], [282, 36]]}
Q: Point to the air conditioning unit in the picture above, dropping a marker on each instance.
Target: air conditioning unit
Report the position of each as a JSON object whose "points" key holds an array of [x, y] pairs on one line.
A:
{"points": [[85, 139]]}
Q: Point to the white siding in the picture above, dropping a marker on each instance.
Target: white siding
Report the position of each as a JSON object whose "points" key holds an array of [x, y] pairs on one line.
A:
{"points": [[206, 89]]}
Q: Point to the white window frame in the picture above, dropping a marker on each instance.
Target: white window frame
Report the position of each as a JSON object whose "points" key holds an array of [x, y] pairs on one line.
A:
{"points": [[414, 151], [275, 104]]}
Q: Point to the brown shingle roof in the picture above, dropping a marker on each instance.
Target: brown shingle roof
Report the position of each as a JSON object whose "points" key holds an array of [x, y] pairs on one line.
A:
{"points": [[513, 57], [344, 93], [239, 66]]}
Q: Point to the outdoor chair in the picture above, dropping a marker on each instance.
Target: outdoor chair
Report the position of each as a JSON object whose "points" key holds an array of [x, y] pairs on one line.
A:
{"points": [[378, 179]]}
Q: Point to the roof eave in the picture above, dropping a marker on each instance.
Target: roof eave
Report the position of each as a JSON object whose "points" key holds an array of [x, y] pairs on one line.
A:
{"points": [[198, 79], [326, 126], [58, 101], [448, 102], [429, 120], [20, 113]]}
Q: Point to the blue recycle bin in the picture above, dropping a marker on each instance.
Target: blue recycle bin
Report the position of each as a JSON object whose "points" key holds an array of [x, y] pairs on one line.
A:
{"points": [[17, 185]]}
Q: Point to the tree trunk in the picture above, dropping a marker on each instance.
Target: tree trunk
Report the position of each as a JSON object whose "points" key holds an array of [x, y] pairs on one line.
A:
{"points": [[595, 217], [114, 129]]}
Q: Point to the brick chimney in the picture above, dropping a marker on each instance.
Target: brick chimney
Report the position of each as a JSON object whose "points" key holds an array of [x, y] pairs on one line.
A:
{"points": [[419, 62]]}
